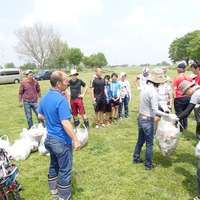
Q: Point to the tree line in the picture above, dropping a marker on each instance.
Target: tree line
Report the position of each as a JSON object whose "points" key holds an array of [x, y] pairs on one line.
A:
{"points": [[41, 46]]}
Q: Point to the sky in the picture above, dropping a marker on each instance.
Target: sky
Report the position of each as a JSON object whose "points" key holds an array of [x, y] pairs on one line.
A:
{"points": [[129, 32]]}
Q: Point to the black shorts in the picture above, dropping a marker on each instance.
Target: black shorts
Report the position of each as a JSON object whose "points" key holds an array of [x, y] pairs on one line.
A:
{"points": [[114, 103], [108, 107], [100, 107]]}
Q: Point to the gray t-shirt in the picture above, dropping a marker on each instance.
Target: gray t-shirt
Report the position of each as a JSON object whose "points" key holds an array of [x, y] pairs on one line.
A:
{"points": [[148, 100], [195, 98]]}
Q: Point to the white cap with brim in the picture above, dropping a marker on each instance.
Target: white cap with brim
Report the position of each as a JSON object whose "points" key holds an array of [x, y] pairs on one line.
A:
{"points": [[73, 72], [185, 85], [29, 72], [156, 76]]}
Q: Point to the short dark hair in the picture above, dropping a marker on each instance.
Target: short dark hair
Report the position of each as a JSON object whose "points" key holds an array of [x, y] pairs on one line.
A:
{"points": [[106, 77], [195, 64], [114, 74], [56, 77]]}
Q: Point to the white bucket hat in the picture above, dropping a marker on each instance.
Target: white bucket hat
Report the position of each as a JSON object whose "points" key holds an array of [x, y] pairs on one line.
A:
{"points": [[156, 76], [73, 72]]}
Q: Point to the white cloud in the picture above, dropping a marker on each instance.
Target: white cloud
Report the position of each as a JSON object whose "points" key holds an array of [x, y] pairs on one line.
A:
{"points": [[62, 11], [138, 19]]}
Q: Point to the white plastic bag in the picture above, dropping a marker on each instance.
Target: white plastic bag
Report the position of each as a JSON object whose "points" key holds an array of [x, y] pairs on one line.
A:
{"points": [[197, 149], [32, 142], [5, 144], [82, 134], [167, 136], [20, 150], [37, 131], [42, 150]]}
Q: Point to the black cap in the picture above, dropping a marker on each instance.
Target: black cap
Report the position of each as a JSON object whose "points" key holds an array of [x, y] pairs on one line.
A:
{"points": [[181, 66]]}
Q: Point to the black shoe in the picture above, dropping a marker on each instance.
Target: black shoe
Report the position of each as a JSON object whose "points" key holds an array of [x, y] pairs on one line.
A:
{"points": [[149, 168], [137, 161]]}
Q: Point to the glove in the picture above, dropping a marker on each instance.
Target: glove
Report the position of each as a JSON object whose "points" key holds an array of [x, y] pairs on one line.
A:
{"points": [[173, 117], [94, 103]]}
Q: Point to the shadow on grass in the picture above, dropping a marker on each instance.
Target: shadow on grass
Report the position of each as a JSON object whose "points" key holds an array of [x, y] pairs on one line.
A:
{"points": [[189, 136], [74, 186], [190, 181], [175, 158]]}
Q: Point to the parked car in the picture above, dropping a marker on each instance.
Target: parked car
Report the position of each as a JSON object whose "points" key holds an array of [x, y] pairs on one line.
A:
{"points": [[10, 75], [42, 76]]}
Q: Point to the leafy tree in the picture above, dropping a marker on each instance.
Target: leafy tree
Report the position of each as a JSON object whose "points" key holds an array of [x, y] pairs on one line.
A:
{"points": [[58, 54], [101, 60], [74, 56], [95, 60], [9, 65], [26, 66], [185, 48], [35, 43]]}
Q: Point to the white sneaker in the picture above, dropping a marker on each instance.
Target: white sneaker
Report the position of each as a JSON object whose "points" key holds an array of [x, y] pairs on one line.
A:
{"points": [[97, 126]]}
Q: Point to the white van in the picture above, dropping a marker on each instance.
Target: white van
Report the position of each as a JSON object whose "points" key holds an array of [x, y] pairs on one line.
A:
{"points": [[10, 75]]}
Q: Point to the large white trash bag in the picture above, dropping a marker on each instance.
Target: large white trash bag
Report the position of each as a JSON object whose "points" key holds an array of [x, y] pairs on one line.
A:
{"points": [[82, 134], [20, 150], [37, 131], [167, 136]]}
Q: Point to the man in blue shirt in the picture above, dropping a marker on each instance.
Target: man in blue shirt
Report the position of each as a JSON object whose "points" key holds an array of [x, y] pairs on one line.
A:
{"points": [[54, 108]]}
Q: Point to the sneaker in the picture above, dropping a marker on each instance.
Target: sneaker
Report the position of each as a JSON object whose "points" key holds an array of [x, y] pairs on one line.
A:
{"points": [[110, 120], [128, 117], [137, 161], [103, 125], [107, 123], [97, 126], [120, 118], [115, 121], [149, 168]]}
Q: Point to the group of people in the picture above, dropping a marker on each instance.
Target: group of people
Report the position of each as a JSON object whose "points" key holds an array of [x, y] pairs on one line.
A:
{"points": [[109, 96]]}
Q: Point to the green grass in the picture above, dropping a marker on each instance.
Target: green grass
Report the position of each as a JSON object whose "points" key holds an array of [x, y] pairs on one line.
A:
{"points": [[103, 169]]}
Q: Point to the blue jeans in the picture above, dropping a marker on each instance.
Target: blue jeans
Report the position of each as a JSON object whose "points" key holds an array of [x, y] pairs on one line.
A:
{"points": [[27, 108], [145, 134], [124, 102], [61, 160]]}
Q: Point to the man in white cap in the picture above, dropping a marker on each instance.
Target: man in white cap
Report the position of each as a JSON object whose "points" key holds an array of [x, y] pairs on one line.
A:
{"points": [[76, 98], [142, 78], [147, 111], [29, 92]]}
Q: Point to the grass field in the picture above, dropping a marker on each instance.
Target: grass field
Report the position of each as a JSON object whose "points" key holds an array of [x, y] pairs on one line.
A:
{"points": [[103, 169]]}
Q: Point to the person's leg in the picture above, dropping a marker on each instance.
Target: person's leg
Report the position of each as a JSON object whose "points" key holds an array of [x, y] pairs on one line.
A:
{"points": [[126, 101], [198, 131], [35, 106], [64, 156], [198, 178], [140, 142], [121, 107], [149, 136], [74, 110], [28, 112], [53, 168]]}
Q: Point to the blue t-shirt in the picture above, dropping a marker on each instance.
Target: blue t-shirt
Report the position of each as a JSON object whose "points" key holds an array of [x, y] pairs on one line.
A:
{"points": [[108, 86], [55, 108], [115, 89]]}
